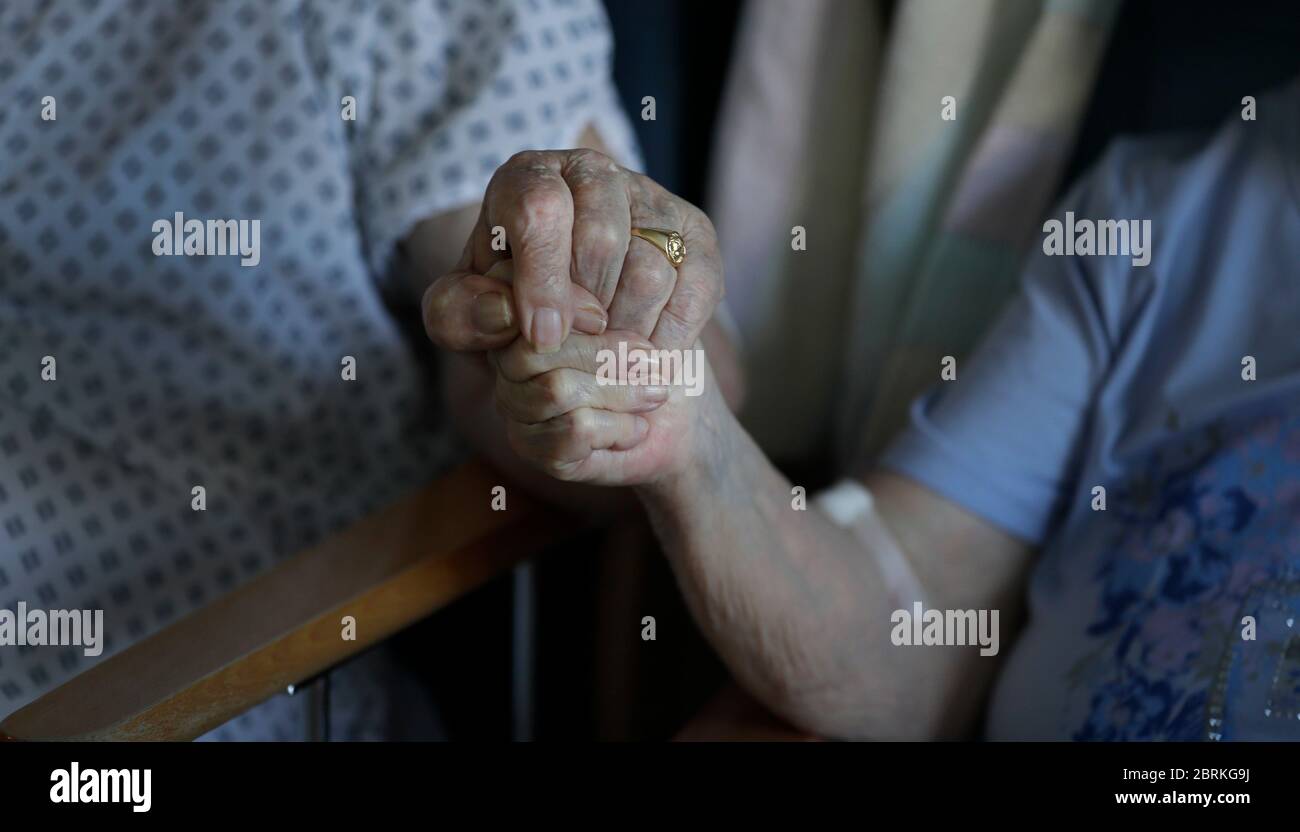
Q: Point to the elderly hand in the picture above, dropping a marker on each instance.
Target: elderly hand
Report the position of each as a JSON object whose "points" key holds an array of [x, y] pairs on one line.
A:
{"points": [[565, 217], [570, 260], [576, 415]]}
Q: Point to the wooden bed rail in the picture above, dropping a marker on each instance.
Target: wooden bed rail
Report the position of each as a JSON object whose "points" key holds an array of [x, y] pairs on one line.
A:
{"points": [[387, 571]]}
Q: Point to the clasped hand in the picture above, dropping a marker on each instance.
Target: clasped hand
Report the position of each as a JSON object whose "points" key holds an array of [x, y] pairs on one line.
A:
{"points": [[569, 284]]}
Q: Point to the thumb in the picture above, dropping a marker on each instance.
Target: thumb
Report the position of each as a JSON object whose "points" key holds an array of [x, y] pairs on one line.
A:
{"points": [[589, 315], [467, 312]]}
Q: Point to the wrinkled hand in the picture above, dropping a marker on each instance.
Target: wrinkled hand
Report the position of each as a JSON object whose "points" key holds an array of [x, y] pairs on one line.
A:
{"points": [[571, 263], [566, 216], [561, 419]]}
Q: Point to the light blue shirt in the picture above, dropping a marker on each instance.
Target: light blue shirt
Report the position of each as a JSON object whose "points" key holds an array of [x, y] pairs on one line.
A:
{"points": [[1106, 374]]}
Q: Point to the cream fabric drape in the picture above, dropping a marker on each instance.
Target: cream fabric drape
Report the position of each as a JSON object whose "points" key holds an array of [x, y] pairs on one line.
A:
{"points": [[914, 225]]}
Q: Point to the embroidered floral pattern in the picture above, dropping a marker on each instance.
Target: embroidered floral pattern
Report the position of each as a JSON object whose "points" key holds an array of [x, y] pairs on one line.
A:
{"points": [[1203, 523]]}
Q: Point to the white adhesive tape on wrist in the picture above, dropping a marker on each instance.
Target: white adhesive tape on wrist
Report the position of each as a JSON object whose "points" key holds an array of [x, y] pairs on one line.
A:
{"points": [[850, 506]]}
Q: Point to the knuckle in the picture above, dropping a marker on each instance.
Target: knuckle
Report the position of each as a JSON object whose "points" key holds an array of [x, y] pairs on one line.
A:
{"points": [[696, 304], [701, 221], [582, 426], [523, 159], [694, 312], [650, 281], [689, 310], [552, 391], [601, 241], [586, 164], [540, 209], [676, 326], [508, 170], [588, 157], [671, 207], [632, 342], [703, 230]]}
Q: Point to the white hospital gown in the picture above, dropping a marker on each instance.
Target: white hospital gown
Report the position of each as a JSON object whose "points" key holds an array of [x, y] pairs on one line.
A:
{"points": [[173, 372]]}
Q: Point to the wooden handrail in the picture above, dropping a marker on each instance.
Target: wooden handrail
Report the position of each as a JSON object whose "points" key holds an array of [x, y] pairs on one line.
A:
{"points": [[388, 570]]}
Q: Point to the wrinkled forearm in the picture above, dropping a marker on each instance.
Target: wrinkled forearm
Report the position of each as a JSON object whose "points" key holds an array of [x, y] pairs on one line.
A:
{"points": [[794, 604]]}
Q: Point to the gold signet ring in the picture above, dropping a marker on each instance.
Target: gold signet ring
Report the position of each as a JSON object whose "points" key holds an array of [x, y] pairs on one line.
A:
{"points": [[669, 242]]}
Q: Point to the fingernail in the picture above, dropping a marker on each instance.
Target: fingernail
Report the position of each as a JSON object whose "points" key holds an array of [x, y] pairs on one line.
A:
{"points": [[655, 392], [491, 313], [642, 427], [546, 329], [591, 319]]}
